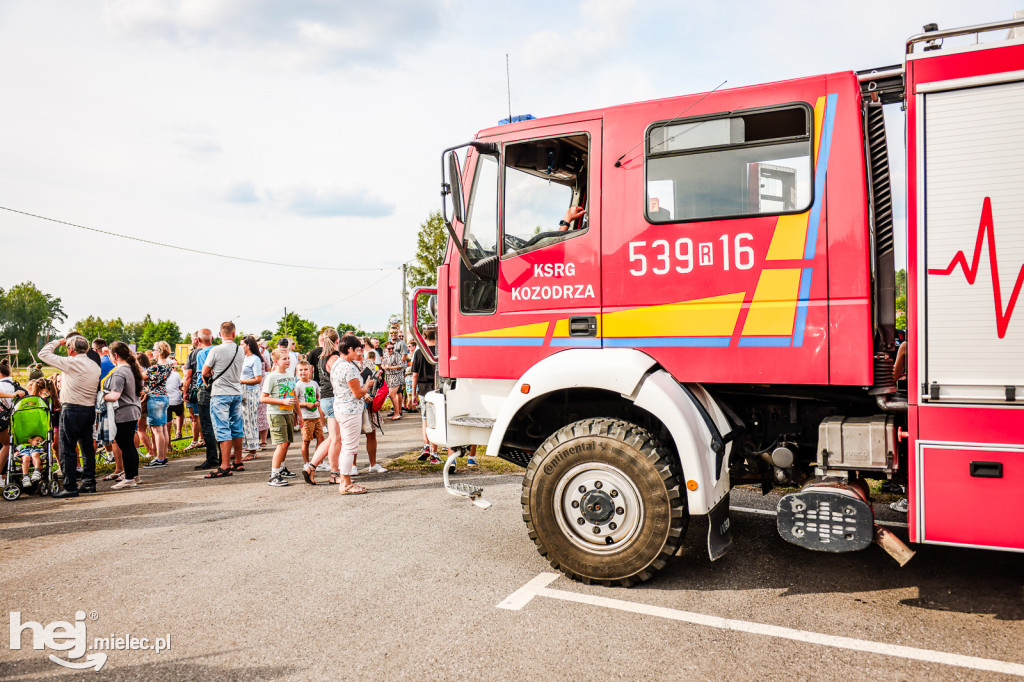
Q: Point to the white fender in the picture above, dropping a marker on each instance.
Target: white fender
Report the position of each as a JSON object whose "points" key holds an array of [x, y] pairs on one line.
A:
{"points": [[614, 369], [664, 398], [623, 371]]}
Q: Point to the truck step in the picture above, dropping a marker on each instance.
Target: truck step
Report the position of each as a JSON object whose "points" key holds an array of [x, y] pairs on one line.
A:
{"points": [[468, 489], [473, 492], [826, 520], [466, 420]]}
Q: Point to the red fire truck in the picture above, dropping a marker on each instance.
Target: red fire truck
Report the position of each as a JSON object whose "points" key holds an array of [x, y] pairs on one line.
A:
{"points": [[716, 306]]}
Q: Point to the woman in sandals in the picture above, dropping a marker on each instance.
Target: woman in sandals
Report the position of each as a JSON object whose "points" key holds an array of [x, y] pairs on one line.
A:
{"points": [[348, 409], [394, 375], [331, 446], [124, 383], [251, 380]]}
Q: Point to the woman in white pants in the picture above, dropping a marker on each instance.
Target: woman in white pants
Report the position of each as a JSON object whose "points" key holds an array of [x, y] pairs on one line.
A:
{"points": [[348, 409]]}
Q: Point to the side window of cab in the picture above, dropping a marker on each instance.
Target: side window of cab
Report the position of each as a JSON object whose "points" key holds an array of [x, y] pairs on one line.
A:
{"points": [[545, 192]]}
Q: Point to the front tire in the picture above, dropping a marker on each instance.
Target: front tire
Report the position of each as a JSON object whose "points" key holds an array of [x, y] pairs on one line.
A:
{"points": [[603, 502]]}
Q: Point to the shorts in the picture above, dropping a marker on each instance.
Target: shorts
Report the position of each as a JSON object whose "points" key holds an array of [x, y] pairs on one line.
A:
{"points": [[226, 415], [192, 408], [176, 410], [327, 405], [312, 429], [282, 428], [156, 410]]}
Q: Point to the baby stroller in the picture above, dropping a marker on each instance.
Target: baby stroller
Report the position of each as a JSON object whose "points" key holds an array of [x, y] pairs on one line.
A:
{"points": [[31, 419]]}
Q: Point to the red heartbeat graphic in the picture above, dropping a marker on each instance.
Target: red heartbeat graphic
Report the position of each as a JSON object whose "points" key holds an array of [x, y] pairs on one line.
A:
{"points": [[986, 227]]}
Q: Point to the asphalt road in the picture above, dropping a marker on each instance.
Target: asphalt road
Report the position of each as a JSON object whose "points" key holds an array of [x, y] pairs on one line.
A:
{"points": [[253, 582]]}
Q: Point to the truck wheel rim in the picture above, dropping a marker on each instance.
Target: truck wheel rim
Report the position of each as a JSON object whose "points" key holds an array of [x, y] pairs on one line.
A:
{"points": [[598, 508]]}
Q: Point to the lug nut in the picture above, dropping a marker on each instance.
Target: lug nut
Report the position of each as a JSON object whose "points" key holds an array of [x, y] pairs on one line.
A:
{"points": [[613, 525], [580, 521], [597, 531], [620, 511], [614, 493], [575, 504], [598, 485], [583, 488]]}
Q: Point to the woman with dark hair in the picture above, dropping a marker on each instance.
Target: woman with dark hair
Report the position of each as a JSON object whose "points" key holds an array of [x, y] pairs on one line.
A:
{"points": [[251, 379], [123, 384], [143, 362], [329, 448], [348, 409], [8, 389]]}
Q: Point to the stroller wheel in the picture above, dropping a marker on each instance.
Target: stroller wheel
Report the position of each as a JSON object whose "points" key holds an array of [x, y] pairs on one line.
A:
{"points": [[44, 488], [54, 486], [11, 492]]}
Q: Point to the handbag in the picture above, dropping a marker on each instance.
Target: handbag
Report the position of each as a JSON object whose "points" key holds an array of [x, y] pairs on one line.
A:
{"points": [[204, 390], [367, 427]]}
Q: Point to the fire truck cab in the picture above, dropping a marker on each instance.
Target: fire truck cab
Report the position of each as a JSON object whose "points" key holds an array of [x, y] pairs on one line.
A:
{"points": [[647, 304]]}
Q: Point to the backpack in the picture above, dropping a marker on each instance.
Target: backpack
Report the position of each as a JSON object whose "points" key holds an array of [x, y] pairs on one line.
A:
{"points": [[379, 397]]}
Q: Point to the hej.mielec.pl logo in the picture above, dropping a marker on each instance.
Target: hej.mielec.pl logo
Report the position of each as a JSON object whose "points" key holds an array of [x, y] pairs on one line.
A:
{"points": [[71, 637]]}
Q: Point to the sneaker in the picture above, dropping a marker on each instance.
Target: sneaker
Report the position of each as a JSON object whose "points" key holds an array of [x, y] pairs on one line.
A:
{"points": [[424, 454], [324, 466], [126, 483], [354, 471], [287, 474], [900, 506], [26, 481], [277, 482], [37, 475], [471, 462], [155, 463], [434, 459], [377, 469]]}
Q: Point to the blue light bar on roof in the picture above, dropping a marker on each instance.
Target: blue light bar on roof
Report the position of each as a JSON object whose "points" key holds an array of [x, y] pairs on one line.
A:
{"points": [[516, 119]]}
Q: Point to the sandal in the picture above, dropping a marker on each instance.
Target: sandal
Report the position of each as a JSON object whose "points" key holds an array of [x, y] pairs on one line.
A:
{"points": [[218, 473], [394, 419], [249, 457], [238, 467], [353, 489], [116, 476], [335, 478], [309, 474]]}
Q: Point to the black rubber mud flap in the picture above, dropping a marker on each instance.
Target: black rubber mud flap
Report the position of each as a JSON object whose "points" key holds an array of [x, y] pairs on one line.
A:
{"points": [[719, 529], [825, 521]]}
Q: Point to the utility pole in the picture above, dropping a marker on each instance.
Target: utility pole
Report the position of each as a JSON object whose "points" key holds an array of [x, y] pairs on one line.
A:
{"points": [[405, 306], [286, 320]]}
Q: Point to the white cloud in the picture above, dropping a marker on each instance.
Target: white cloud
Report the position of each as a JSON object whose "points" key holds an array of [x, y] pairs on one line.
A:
{"points": [[604, 26], [310, 201], [325, 32]]}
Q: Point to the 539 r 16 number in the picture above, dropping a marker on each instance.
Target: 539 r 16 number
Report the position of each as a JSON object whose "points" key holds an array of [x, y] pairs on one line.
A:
{"points": [[682, 256]]}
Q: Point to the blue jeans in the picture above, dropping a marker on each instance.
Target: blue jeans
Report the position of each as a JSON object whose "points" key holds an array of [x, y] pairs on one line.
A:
{"points": [[327, 404], [156, 410], [226, 415]]}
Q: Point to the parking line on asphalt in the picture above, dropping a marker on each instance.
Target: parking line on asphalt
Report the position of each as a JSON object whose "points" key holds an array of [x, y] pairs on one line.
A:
{"points": [[769, 512], [538, 587]]}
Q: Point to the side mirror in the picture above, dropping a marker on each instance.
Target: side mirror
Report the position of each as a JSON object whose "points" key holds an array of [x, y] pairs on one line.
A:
{"points": [[432, 306], [455, 178]]}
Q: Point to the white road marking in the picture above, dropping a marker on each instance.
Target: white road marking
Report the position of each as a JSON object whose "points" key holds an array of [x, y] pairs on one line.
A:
{"points": [[769, 512], [538, 588]]}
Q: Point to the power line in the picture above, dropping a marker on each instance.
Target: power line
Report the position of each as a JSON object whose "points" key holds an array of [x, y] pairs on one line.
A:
{"points": [[185, 248], [352, 295]]}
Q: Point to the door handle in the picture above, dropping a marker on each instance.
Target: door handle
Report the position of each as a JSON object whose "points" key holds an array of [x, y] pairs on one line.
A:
{"points": [[583, 326], [987, 469]]}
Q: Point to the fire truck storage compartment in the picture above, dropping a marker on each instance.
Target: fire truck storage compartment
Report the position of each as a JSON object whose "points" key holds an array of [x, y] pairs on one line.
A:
{"points": [[974, 241], [858, 443], [971, 495]]}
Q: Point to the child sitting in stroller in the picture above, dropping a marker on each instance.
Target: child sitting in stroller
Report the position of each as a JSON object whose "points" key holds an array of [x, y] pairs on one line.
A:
{"points": [[32, 454]]}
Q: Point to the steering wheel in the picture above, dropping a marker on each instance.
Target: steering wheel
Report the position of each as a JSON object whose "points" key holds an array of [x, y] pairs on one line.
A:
{"points": [[542, 235]]}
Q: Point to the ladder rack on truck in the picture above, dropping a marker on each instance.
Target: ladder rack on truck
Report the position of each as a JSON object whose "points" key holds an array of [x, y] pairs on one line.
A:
{"points": [[644, 307]]}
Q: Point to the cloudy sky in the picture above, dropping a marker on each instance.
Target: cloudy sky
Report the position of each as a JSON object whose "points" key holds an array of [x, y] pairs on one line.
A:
{"points": [[309, 131]]}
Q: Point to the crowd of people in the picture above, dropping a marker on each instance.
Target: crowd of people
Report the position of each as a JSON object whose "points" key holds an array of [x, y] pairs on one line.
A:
{"points": [[238, 395]]}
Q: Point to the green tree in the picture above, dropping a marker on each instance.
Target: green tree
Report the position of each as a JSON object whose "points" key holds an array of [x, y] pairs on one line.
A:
{"points": [[26, 314], [901, 299], [303, 331], [161, 330], [97, 328], [266, 335], [430, 247]]}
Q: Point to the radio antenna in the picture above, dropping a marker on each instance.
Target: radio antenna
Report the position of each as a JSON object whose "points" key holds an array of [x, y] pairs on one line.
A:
{"points": [[508, 85]]}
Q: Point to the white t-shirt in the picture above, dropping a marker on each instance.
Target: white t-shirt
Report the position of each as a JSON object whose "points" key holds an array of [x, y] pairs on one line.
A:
{"points": [[174, 388], [308, 392], [293, 363]]}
